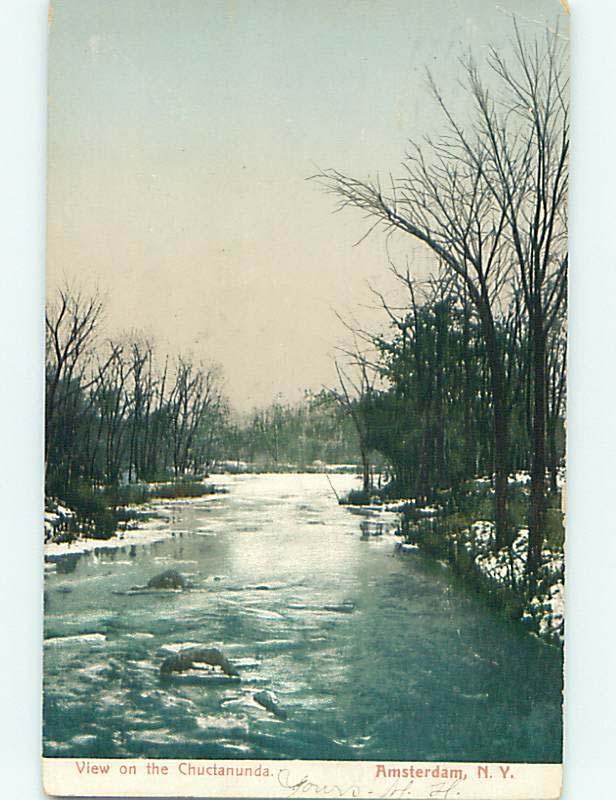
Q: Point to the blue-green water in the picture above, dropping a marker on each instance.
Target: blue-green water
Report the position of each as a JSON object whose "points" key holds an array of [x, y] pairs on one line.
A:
{"points": [[412, 666]]}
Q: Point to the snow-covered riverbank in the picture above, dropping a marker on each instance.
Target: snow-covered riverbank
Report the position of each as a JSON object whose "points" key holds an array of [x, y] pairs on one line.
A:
{"points": [[505, 568], [497, 571], [149, 524], [146, 532], [543, 613]]}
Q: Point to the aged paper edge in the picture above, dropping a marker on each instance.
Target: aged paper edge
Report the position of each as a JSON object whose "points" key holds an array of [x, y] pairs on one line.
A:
{"points": [[143, 777]]}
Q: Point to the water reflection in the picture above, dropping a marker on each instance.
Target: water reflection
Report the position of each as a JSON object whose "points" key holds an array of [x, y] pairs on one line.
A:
{"points": [[372, 654]]}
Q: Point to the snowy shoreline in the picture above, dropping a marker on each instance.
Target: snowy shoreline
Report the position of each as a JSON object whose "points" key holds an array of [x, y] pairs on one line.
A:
{"points": [[544, 610], [501, 571], [153, 528], [472, 553], [497, 571], [54, 551]]}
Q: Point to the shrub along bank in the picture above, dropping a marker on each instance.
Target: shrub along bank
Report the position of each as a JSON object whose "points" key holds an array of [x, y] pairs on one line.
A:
{"points": [[99, 512]]}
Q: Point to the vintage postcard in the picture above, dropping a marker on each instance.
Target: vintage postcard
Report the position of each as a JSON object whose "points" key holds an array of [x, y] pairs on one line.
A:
{"points": [[305, 398]]}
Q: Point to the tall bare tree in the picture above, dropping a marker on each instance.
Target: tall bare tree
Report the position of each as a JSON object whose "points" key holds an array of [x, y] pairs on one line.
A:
{"points": [[522, 139], [351, 394], [443, 201], [488, 198], [71, 322], [195, 394]]}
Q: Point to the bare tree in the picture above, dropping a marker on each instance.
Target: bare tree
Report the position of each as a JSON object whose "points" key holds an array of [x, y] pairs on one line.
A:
{"points": [[195, 394], [70, 325], [488, 198], [350, 395], [114, 409], [443, 202], [142, 391], [522, 139], [557, 387]]}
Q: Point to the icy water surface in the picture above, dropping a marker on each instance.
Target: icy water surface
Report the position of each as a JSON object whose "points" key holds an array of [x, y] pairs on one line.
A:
{"points": [[373, 654]]}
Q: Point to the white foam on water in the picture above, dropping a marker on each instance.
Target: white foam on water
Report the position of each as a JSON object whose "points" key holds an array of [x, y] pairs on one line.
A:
{"points": [[223, 724], [84, 738], [94, 670], [76, 638], [175, 647]]}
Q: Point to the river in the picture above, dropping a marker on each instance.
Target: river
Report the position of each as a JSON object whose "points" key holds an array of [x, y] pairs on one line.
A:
{"points": [[374, 654]]}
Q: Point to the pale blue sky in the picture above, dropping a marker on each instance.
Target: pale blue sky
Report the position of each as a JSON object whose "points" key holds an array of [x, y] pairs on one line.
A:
{"points": [[180, 136]]}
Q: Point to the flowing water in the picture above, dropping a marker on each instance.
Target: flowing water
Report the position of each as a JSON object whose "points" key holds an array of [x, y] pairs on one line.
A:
{"points": [[372, 653]]}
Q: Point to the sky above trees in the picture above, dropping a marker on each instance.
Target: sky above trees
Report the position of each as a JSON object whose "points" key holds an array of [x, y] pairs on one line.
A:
{"points": [[181, 135]]}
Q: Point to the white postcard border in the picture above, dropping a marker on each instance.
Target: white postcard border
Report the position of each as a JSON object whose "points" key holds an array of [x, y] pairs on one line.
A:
{"points": [[233, 778]]}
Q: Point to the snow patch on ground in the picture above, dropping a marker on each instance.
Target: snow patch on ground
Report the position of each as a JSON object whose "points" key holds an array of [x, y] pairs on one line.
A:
{"points": [[519, 478], [148, 532], [547, 611], [409, 503], [58, 519], [151, 525], [406, 547], [506, 568]]}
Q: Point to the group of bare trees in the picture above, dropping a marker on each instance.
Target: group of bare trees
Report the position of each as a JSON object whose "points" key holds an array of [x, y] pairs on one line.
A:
{"points": [[114, 411], [488, 198], [285, 435], [117, 412]]}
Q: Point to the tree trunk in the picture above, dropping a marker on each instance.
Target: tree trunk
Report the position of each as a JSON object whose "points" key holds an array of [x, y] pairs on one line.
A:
{"points": [[503, 533], [365, 464], [536, 515], [552, 455]]}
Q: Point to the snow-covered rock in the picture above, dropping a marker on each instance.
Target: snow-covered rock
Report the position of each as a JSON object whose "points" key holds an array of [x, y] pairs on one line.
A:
{"points": [[58, 520]]}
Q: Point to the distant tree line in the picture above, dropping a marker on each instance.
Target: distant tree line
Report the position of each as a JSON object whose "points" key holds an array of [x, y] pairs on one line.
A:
{"points": [[114, 411], [118, 412], [483, 348], [295, 435]]}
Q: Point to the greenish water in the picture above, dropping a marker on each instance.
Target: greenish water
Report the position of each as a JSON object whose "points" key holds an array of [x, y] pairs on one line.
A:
{"points": [[405, 663]]}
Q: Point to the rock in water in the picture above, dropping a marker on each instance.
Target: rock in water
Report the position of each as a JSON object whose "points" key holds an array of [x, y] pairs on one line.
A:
{"points": [[169, 579], [269, 701], [187, 658]]}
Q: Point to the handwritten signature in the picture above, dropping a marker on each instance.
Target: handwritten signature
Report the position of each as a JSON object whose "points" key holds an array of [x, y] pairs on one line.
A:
{"points": [[395, 791]]}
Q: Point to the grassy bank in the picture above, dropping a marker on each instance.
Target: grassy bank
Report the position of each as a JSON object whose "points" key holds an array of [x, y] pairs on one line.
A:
{"points": [[98, 512]]}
